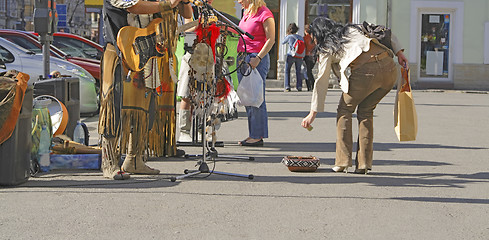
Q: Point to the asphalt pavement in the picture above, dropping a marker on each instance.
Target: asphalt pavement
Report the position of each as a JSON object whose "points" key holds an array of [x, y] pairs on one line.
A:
{"points": [[436, 187]]}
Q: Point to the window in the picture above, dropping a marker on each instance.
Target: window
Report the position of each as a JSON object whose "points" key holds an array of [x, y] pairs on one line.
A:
{"points": [[23, 43], [435, 42], [76, 48], [2, 5], [6, 56], [12, 9], [337, 10]]}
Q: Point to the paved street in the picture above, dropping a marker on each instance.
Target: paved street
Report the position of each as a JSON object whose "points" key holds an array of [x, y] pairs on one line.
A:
{"points": [[436, 187]]}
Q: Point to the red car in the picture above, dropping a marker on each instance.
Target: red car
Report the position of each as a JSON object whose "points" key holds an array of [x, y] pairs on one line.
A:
{"points": [[76, 46], [30, 41]]}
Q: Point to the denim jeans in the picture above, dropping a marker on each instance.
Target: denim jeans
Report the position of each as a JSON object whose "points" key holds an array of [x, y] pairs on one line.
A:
{"points": [[257, 117], [310, 62], [298, 73]]}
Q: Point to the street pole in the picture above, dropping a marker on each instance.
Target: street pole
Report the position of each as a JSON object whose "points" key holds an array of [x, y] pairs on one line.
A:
{"points": [[45, 26], [46, 41], [388, 21], [22, 17]]}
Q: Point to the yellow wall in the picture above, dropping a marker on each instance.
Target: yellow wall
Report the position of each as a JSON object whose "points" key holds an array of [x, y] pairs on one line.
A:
{"points": [[94, 3], [227, 6]]}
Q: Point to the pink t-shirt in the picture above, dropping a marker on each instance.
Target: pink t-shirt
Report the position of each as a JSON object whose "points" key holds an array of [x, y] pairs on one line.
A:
{"points": [[254, 26]]}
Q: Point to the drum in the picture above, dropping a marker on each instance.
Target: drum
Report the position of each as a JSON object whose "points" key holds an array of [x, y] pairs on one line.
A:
{"points": [[301, 164], [59, 114]]}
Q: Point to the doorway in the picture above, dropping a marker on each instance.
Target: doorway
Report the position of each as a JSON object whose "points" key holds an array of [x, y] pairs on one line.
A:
{"points": [[274, 6], [435, 51], [436, 42]]}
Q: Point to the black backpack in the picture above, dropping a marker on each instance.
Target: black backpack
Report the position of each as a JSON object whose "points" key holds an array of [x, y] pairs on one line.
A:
{"points": [[379, 32]]}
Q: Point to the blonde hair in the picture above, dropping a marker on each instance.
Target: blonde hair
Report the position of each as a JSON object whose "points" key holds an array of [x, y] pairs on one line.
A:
{"points": [[254, 6]]}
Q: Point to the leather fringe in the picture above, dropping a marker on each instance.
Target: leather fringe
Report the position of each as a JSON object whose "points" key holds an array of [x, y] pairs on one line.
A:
{"points": [[170, 21], [107, 123], [162, 135], [110, 156], [135, 121]]}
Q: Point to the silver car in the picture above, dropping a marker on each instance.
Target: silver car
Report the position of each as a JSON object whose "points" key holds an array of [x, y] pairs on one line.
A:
{"points": [[26, 61]]}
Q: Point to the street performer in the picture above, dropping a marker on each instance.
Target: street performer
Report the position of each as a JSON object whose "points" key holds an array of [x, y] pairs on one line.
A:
{"points": [[137, 112]]}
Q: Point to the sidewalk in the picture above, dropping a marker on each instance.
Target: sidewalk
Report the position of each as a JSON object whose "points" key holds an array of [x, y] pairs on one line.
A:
{"points": [[436, 187]]}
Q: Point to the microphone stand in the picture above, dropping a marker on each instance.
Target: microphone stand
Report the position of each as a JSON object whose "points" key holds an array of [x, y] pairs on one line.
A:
{"points": [[240, 31], [203, 167]]}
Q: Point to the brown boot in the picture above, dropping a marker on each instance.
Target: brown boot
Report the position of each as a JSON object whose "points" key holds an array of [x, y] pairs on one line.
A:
{"points": [[110, 157], [184, 125], [135, 164]]}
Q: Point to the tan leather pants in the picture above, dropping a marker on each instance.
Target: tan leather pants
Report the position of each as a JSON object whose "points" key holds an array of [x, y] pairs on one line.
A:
{"points": [[368, 85]]}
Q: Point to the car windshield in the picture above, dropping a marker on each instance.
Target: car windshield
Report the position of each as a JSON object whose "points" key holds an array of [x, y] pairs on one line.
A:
{"points": [[6, 56], [23, 43], [75, 47], [28, 44]]}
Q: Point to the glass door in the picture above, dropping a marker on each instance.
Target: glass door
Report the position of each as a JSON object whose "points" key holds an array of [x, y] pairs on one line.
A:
{"points": [[338, 10], [435, 46]]}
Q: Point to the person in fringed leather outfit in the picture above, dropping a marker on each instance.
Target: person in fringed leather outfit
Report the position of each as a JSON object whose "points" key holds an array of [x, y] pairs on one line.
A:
{"points": [[137, 112]]}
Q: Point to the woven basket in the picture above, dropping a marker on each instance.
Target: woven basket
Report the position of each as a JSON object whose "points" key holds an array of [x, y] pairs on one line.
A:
{"points": [[301, 164]]}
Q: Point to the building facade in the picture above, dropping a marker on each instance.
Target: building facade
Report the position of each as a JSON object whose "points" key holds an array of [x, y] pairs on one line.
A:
{"points": [[72, 17], [13, 14], [446, 41]]}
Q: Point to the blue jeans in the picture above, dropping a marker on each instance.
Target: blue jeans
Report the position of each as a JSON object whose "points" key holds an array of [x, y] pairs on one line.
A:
{"points": [[298, 73], [257, 117]]}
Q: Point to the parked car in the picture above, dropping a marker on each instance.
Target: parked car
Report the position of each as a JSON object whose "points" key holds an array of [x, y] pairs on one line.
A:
{"points": [[31, 42], [26, 61], [77, 46]]}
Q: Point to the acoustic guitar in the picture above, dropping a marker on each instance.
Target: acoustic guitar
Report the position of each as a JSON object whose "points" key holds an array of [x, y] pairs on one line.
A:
{"points": [[139, 45]]}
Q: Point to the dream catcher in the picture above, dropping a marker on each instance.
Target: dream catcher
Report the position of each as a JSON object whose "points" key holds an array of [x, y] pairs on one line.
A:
{"points": [[211, 91]]}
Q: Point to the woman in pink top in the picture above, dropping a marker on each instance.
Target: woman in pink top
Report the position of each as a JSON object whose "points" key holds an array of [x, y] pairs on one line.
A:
{"points": [[258, 21]]}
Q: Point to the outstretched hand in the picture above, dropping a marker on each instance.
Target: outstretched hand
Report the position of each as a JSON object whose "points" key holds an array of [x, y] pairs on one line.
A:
{"points": [[309, 119]]}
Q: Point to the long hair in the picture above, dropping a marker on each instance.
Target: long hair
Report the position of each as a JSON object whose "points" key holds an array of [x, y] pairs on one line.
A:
{"points": [[328, 35], [255, 5]]}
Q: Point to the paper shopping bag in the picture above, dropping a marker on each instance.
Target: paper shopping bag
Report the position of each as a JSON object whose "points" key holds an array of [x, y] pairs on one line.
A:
{"points": [[405, 117]]}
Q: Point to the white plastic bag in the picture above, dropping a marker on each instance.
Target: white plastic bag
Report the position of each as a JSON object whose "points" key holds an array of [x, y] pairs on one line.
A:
{"points": [[250, 90]]}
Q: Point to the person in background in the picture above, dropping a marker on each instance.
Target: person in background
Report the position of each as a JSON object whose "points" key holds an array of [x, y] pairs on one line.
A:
{"points": [[373, 74], [290, 39], [309, 59], [185, 109], [259, 22]]}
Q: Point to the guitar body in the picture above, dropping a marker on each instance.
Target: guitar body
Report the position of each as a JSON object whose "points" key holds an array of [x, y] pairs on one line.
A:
{"points": [[139, 45]]}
